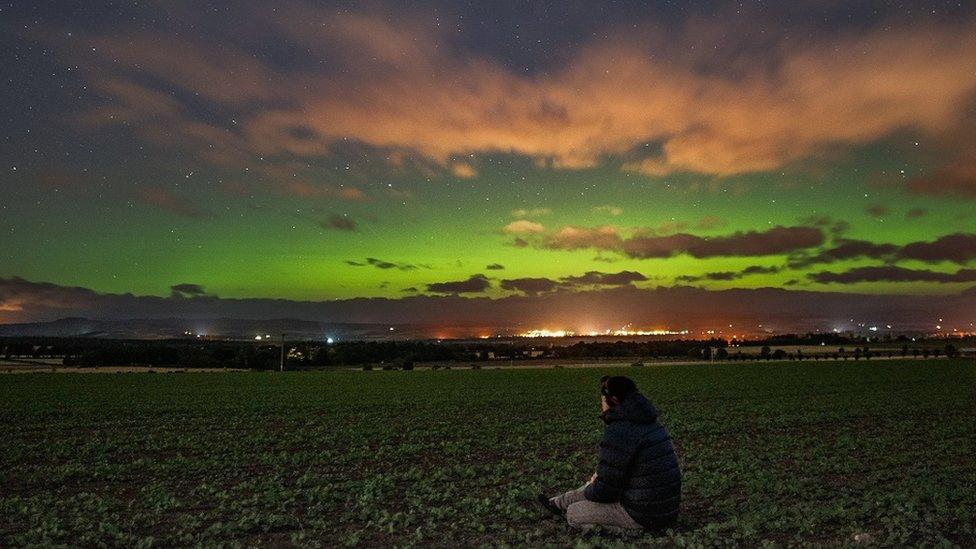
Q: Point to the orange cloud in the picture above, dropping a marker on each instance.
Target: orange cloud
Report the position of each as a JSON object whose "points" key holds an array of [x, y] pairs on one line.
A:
{"points": [[463, 170], [304, 189], [575, 238], [523, 226], [405, 92], [400, 87], [533, 212], [609, 210], [351, 193]]}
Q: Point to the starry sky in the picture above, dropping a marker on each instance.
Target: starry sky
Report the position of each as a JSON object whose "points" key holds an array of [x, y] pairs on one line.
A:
{"points": [[323, 152]]}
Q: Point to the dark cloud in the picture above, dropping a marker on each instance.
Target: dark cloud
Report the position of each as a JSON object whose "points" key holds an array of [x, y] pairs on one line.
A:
{"points": [[596, 278], [877, 210], [850, 249], [845, 249], [476, 284], [680, 307], [778, 240], [915, 213], [382, 264], [644, 245], [891, 273], [495, 267], [721, 275], [835, 226], [187, 290], [530, 286], [729, 275], [339, 222], [759, 269], [957, 248], [590, 279]]}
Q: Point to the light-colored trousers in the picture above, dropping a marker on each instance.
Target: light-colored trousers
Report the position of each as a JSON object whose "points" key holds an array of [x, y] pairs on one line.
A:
{"points": [[582, 512]]}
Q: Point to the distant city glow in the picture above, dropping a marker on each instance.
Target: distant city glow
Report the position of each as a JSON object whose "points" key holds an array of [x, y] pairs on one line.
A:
{"points": [[546, 333], [617, 333]]}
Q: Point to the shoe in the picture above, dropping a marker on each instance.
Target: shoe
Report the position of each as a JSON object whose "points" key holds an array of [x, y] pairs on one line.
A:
{"points": [[547, 503]]}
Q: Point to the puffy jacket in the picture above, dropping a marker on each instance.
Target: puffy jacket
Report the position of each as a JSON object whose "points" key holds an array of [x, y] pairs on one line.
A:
{"points": [[638, 466]]}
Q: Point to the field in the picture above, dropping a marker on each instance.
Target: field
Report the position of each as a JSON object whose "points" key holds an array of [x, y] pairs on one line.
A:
{"points": [[776, 453]]}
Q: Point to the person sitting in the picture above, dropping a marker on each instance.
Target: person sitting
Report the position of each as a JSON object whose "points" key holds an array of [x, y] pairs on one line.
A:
{"points": [[637, 483]]}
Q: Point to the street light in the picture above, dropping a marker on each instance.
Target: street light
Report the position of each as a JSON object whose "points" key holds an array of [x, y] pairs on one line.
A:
{"points": [[282, 353]]}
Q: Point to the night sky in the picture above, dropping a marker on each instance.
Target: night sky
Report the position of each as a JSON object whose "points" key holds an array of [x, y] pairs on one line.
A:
{"points": [[182, 151]]}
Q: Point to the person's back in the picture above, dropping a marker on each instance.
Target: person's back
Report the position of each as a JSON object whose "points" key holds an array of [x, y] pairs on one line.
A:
{"points": [[638, 466], [637, 483]]}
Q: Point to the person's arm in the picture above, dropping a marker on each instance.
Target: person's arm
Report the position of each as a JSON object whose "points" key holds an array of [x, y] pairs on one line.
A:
{"points": [[616, 454]]}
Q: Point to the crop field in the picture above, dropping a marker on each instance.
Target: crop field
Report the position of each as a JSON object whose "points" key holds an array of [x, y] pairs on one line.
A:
{"points": [[789, 453]]}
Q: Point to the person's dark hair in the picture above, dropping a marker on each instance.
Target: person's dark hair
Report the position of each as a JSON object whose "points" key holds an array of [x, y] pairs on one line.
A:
{"points": [[617, 387]]}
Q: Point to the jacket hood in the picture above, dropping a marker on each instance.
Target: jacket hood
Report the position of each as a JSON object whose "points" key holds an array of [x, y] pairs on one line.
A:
{"points": [[635, 409]]}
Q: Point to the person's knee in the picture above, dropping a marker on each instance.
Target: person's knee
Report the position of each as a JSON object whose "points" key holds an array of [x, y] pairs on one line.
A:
{"points": [[576, 515]]}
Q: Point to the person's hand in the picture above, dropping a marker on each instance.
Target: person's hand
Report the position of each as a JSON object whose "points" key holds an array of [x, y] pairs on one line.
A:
{"points": [[593, 478]]}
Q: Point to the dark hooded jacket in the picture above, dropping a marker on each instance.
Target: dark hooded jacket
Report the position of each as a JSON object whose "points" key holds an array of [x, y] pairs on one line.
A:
{"points": [[638, 466]]}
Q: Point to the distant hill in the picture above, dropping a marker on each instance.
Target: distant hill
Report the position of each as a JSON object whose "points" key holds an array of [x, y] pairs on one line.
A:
{"points": [[224, 328]]}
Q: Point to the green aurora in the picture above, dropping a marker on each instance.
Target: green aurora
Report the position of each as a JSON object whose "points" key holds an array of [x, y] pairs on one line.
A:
{"points": [[294, 166]]}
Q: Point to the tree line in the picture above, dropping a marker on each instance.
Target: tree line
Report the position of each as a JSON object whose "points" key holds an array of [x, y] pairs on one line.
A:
{"points": [[194, 353]]}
